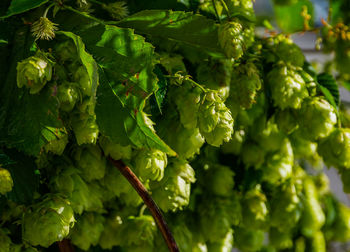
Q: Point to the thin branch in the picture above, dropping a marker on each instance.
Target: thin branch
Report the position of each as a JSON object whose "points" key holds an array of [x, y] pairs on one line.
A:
{"points": [[65, 246], [216, 11], [152, 206]]}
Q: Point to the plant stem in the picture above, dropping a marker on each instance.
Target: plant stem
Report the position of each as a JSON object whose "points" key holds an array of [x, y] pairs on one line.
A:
{"points": [[152, 206], [226, 8], [65, 246]]}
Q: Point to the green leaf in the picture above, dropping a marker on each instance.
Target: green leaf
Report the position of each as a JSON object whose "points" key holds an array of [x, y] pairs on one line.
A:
{"points": [[329, 88], [289, 18], [27, 121], [24, 175], [184, 27], [121, 124], [127, 61], [20, 6], [159, 95]]}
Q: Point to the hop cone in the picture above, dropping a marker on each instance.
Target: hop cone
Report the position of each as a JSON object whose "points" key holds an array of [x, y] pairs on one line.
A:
{"points": [[68, 94], [85, 129], [66, 51], [287, 87], [91, 162], [57, 146], [288, 52], [47, 222], [115, 150], [231, 39], [44, 29], [280, 240], [112, 234], [34, 72], [286, 120], [87, 231], [225, 245], [82, 78], [245, 83], [316, 119], [6, 182], [335, 149], [173, 191], [150, 164], [249, 239]]}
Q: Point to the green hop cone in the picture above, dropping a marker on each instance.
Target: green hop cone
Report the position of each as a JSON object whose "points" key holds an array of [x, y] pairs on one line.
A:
{"points": [[287, 87], [173, 191], [225, 245], [185, 142], [90, 161], [316, 119], [245, 83], [241, 8], [248, 239], [81, 195], [318, 242], [57, 146], [115, 150], [66, 51], [231, 39], [335, 149], [288, 52], [280, 240], [47, 221], [85, 129], [270, 138], [81, 77], [218, 179], [140, 230], [278, 165], [216, 75], [34, 72], [286, 120], [187, 100], [112, 234], [215, 120], [285, 207], [150, 164], [255, 214], [341, 225], [68, 94], [119, 186], [313, 217], [6, 182], [218, 215], [87, 231]]}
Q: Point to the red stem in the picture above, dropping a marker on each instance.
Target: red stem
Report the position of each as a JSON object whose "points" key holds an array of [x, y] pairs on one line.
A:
{"points": [[152, 206]]}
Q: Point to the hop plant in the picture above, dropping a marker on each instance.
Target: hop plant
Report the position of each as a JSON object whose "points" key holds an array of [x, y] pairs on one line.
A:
{"points": [[66, 51], [231, 39], [316, 119], [112, 233], [318, 242], [6, 182], [335, 149], [44, 29], [58, 145], [286, 120], [115, 150], [85, 129], [280, 240], [341, 225], [215, 121], [245, 83], [187, 100], [313, 217], [82, 78], [47, 221], [34, 72], [287, 87], [117, 10], [278, 165], [225, 245], [249, 239], [87, 231], [255, 214], [68, 94], [81, 195], [150, 164], [91, 162], [218, 215], [173, 191], [287, 51]]}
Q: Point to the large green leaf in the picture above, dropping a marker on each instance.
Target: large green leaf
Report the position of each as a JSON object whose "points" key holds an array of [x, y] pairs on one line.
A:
{"points": [[185, 27], [289, 17], [24, 174], [20, 6], [329, 88], [121, 124], [27, 121]]}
